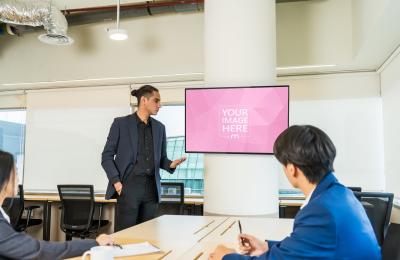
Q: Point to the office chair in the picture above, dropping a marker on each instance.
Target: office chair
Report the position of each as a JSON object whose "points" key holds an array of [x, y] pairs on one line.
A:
{"points": [[172, 199], [15, 207], [355, 190], [358, 189], [390, 247], [77, 211], [378, 206]]}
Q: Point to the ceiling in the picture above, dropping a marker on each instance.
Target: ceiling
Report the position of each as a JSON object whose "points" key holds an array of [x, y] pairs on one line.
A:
{"points": [[313, 37], [364, 38]]}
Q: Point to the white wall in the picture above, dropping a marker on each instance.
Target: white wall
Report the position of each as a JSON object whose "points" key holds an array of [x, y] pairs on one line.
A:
{"points": [[12, 99], [390, 83], [365, 13], [390, 78], [309, 31], [355, 127], [348, 108]]}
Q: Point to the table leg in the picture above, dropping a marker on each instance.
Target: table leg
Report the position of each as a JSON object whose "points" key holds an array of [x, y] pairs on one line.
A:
{"points": [[46, 220]]}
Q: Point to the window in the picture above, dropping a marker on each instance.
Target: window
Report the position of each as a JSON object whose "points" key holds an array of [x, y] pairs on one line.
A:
{"points": [[12, 136], [191, 172]]}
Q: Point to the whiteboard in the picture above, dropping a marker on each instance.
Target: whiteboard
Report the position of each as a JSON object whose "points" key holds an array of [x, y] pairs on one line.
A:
{"points": [[66, 131], [356, 129]]}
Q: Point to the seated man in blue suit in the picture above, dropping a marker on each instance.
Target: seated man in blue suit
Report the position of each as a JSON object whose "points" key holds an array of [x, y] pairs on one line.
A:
{"points": [[332, 223]]}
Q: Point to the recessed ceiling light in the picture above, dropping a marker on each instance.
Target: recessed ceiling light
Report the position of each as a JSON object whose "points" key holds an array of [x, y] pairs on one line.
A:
{"points": [[118, 34]]}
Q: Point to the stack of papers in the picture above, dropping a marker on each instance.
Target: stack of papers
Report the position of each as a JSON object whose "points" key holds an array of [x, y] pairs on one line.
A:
{"points": [[135, 249]]}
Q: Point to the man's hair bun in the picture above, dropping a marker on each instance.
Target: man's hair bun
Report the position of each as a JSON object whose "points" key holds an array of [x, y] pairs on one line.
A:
{"points": [[146, 91]]}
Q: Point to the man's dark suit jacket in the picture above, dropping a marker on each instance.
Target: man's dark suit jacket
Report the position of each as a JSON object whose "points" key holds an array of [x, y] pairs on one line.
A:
{"points": [[121, 150], [14, 245]]}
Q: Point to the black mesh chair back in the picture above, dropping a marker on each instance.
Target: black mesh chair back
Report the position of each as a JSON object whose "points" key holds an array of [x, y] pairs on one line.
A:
{"points": [[378, 206], [172, 198], [14, 207], [391, 248], [357, 189], [77, 207]]}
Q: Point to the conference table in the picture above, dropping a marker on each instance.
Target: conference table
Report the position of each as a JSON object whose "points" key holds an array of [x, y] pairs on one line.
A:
{"points": [[195, 237], [47, 199]]}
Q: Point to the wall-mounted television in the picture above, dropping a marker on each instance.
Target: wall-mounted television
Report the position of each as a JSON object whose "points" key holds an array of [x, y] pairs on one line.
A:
{"points": [[235, 119]]}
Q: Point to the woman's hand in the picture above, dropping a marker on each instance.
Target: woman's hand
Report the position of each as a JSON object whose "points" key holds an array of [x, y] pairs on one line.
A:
{"points": [[104, 240]]}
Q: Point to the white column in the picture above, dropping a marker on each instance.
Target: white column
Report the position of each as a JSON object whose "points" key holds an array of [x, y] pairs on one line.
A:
{"points": [[240, 50]]}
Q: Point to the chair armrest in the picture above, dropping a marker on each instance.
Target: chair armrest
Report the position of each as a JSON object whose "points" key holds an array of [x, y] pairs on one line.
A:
{"points": [[100, 216], [29, 210], [32, 207]]}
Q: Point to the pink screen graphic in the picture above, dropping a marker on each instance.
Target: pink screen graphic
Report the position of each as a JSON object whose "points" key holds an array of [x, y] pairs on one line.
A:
{"points": [[235, 120]]}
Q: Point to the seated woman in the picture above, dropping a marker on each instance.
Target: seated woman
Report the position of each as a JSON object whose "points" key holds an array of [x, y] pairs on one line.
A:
{"points": [[331, 224], [14, 245]]}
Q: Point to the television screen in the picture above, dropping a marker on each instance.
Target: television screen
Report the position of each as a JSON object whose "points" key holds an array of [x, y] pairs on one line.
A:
{"points": [[235, 120]]}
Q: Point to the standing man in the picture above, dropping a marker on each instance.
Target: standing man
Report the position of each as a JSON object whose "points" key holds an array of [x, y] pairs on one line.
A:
{"points": [[132, 157]]}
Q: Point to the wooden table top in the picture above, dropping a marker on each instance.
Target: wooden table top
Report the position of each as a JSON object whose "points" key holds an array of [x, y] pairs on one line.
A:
{"points": [[99, 199]]}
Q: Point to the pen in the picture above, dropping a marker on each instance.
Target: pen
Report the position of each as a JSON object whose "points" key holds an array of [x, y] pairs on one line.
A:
{"points": [[198, 256], [118, 245], [240, 232]]}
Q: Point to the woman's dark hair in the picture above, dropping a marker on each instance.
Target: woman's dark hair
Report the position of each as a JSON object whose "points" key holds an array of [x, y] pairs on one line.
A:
{"points": [[6, 168], [146, 90], [308, 148]]}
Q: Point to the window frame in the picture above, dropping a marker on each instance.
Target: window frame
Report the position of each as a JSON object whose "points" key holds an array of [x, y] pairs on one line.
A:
{"points": [[23, 144]]}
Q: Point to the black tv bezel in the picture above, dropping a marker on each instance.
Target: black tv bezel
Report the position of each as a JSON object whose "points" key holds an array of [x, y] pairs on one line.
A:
{"points": [[208, 152]]}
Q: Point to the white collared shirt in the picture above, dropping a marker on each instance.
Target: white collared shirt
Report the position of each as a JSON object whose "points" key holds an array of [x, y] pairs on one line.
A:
{"points": [[307, 199], [4, 214]]}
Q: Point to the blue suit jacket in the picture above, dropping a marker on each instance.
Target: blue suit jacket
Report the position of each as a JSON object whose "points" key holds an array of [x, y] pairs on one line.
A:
{"points": [[333, 225], [121, 150]]}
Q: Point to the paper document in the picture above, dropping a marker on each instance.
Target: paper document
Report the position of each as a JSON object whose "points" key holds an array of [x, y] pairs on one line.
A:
{"points": [[135, 249]]}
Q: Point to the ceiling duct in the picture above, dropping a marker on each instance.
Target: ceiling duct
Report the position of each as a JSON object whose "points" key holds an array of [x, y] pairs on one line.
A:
{"points": [[106, 13], [37, 13]]}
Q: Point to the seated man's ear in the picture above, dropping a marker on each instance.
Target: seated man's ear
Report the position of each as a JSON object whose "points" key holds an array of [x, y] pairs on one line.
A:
{"points": [[296, 171], [291, 169]]}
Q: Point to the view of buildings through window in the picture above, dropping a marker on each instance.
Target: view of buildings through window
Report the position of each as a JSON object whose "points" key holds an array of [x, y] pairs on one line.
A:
{"points": [[191, 172], [12, 136]]}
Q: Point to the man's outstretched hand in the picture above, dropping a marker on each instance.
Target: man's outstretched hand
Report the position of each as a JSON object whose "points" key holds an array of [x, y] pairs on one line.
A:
{"points": [[176, 162]]}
